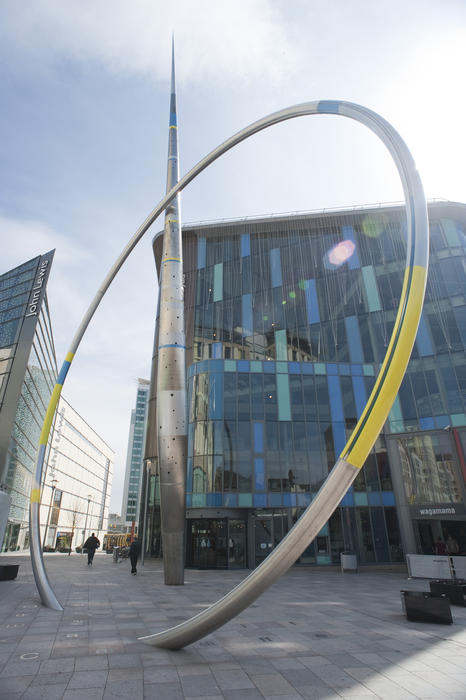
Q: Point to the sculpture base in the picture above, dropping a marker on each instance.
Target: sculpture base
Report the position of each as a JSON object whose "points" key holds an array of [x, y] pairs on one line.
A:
{"points": [[421, 606], [8, 572], [454, 590]]}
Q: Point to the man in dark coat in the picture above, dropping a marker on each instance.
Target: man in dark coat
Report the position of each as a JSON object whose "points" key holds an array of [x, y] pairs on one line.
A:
{"points": [[134, 550], [91, 545]]}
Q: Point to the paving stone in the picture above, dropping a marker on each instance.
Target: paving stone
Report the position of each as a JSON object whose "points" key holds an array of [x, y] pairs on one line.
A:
{"points": [[88, 679], [45, 692], [163, 691], [124, 689]]}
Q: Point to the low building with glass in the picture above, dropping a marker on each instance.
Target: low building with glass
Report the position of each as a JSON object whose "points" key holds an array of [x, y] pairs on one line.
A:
{"points": [[288, 320]]}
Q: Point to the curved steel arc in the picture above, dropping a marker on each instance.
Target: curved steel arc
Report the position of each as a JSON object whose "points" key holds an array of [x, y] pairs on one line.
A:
{"points": [[370, 423]]}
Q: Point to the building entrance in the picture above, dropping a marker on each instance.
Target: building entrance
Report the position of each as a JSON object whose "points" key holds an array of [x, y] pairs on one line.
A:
{"points": [[216, 543], [269, 529], [450, 532]]}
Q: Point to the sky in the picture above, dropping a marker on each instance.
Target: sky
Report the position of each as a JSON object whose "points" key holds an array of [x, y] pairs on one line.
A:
{"points": [[84, 125]]}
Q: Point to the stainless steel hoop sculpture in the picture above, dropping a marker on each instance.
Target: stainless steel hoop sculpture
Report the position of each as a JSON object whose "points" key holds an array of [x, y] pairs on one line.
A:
{"points": [[369, 425]]}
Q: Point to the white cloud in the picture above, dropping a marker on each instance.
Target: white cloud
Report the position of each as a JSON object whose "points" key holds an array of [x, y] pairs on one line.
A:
{"points": [[239, 40]]}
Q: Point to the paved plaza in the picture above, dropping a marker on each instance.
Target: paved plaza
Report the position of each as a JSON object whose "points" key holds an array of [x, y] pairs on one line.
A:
{"points": [[314, 634]]}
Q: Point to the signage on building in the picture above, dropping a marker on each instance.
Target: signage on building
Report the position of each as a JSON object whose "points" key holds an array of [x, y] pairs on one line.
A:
{"points": [[438, 512]]}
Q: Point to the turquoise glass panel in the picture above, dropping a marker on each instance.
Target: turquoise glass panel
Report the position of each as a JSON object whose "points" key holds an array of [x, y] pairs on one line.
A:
{"points": [[245, 245], [199, 500], [256, 366], [396, 417], [230, 365], [283, 395], [319, 368], [451, 233], [368, 370], [423, 340], [218, 282], [275, 268], [246, 310], [324, 532], [245, 500], [282, 367], [458, 419], [281, 345], [354, 339], [370, 285], [201, 249], [312, 305], [360, 498]]}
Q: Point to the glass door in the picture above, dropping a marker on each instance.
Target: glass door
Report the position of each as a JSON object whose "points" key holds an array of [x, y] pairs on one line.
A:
{"points": [[237, 544]]}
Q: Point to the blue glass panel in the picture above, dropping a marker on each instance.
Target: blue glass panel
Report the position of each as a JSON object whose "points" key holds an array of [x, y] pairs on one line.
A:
{"points": [[218, 282], [230, 499], [332, 368], [294, 368], [359, 391], [303, 499], [190, 371], [217, 350], [423, 340], [246, 309], [426, 423], [287, 499], [374, 498], [245, 245], [215, 404], [344, 369], [312, 305], [442, 421], [202, 366], [281, 348], [360, 498], [339, 437], [259, 474], [388, 498], [336, 404], [370, 285], [216, 365], [283, 394], [188, 500], [354, 339], [356, 369], [258, 437], [307, 368], [347, 500], [269, 367], [201, 248], [275, 500], [324, 532], [260, 500], [214, 499], [275, 267], [348, 234], [243, 365]]}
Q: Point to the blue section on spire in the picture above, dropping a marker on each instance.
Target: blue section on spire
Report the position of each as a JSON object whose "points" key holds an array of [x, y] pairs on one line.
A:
{"points": [[172, 118]]}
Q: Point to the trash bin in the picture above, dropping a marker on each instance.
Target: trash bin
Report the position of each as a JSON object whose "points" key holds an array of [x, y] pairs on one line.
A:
{"points": [[116, 551], [349, 562]]}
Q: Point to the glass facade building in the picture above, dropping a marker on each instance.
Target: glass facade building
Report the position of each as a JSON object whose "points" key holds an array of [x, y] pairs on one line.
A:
{"points": [[288, 321], [28, 372], [135, 453]]}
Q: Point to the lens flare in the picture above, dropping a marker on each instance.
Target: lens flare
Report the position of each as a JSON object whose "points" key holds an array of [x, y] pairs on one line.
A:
{"points": [[340, 253]]}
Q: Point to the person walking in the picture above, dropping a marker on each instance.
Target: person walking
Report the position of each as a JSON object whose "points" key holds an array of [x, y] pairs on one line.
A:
{"points": [[91, 544], [134, 551]]}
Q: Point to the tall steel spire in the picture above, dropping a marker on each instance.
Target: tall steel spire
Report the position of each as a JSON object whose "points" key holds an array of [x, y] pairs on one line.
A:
{"points": [[171, 372]]}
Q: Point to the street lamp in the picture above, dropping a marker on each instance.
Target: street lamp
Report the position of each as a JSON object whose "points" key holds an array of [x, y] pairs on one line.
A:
{"points": [[54, 486], [85, 526]]}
